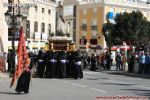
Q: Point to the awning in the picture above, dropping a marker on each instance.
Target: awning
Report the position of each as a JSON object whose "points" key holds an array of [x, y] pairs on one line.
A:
{"points": [[121, 47]]}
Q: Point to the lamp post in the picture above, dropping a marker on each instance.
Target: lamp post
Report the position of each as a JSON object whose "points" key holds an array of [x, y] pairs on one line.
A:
{"points": [[13, 21], [108, 34]]}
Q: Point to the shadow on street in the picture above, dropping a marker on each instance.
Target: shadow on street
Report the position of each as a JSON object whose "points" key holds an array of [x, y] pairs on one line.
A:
{"points": [[139, 92], [97, 78], [10, 93], [129, 74], [119, 84]]}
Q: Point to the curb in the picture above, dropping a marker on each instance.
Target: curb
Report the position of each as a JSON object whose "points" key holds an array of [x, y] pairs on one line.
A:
{"points": [[126, 73], [138, 75], [4, 75]]}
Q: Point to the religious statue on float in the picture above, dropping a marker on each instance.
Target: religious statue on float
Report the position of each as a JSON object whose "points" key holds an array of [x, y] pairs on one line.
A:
{"points": [[62, 27]]}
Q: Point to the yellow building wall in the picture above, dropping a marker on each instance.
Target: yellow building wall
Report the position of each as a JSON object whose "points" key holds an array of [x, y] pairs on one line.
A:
{"points": [[80, 24], [89, 19], [100, 21], [100, 15], [106, 10]]}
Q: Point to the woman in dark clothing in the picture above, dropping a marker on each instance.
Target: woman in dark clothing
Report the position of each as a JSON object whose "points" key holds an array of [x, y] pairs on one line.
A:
{"points": [[93, 63], [24, 80], [131, 63]]}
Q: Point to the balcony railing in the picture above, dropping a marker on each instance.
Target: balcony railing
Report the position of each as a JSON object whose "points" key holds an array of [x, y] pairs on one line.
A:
{"points": [[94, 27], [93, 41], [83, 41], [84, 28]]}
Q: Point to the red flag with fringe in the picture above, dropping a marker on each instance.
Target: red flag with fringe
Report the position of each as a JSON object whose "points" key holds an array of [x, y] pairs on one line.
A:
{"points": [[22, 56]]}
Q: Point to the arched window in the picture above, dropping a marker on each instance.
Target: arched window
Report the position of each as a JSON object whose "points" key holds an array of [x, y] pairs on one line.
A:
{"points": [[35, 27], [28, 29], [49, 29], [36, 8], [43, 27]]}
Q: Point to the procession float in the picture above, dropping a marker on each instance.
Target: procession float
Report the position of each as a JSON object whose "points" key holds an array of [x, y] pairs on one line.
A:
{"points": [[60, 43]]}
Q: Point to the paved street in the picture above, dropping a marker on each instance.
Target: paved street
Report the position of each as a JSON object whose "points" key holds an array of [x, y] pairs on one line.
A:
{"points": [[91, 87]]}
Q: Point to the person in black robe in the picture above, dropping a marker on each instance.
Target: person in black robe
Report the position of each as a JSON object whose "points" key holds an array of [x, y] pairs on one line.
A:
{"points": [[72, 64], [41, 64], [61, 66], [93, 63], [51, 64], [69, 64], [9, 61], [24, 81], [108, 64], [78, 72], [32, 57]]}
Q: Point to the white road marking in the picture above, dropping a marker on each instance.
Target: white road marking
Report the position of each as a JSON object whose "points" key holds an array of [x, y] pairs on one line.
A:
{"points": [[87, 72], [114, 81], [98, 90], [55, 79], [78, 85], [90, 77]]}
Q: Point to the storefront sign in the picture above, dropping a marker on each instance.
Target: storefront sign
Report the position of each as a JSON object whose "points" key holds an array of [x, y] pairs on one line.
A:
{"points": [[42, 44], [44, 36], [35, 44], [37, 35]]}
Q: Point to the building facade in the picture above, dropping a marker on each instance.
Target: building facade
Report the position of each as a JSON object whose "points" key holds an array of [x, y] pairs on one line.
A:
{"points": [[93, 14], [70, 15], [38, 22], [41, 19], [3, 28]]}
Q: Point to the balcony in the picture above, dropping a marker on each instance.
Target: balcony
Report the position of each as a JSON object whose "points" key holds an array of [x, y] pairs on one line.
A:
{"points": [[83, 41], [93, 41], [94, 27], [83, 28]]}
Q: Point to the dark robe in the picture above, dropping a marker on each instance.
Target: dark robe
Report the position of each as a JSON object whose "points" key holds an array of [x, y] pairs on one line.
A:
{"points": [[69, 64], [72, 65], [93, 63], [23, 82], [32, 57], [78, 72], [61, 66], [9, 61], [108, 61], [51, 64], [41, 64]]}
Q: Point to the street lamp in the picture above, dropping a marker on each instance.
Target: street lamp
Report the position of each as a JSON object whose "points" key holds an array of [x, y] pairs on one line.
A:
{"points": [[108, 34], [13, 21]]}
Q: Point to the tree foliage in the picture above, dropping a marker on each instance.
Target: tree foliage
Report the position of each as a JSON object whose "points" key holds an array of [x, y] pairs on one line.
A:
{"points": [[133, 28]]}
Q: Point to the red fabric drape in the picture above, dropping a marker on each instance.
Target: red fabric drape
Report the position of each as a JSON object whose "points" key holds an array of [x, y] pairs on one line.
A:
{"points": [[22, 55]]}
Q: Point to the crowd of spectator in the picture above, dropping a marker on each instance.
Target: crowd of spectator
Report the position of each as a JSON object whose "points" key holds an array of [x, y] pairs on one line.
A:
{"points": [[121, 61]]}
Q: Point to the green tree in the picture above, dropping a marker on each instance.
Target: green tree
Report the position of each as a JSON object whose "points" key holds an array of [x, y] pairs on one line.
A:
{"points": [[133, 28]]}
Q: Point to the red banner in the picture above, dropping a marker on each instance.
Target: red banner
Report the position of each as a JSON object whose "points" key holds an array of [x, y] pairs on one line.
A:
{"points": [[22, 56]]}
